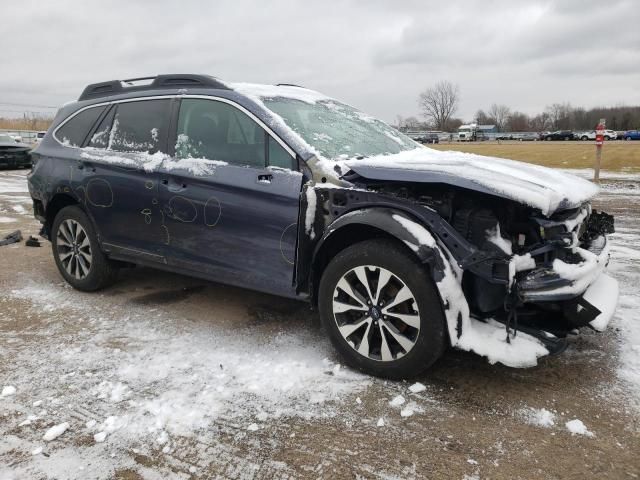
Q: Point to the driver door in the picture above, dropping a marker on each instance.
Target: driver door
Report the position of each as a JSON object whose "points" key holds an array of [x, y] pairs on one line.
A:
{"points": [[229, 212]]}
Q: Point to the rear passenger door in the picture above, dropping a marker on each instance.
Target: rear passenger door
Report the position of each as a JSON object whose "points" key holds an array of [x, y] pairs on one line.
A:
{"points": [[230, 198], [121, 179]]}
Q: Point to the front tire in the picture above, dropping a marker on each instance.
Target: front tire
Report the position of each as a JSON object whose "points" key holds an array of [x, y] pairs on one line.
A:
{"points": [[77, 252], [381, 310]]}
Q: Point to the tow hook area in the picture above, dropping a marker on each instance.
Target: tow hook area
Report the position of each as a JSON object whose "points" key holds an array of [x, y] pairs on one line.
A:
{"points": [[553, 344]]}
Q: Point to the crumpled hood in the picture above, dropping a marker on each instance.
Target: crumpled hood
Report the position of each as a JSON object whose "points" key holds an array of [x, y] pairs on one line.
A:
{"points": [[539, 187]]}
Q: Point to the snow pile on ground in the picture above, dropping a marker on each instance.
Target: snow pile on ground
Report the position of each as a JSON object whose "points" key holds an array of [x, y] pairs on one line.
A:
{"points": [[168, 378], [13, 183], [540, 417], [576, 427], [55, 431], [7, 391]]}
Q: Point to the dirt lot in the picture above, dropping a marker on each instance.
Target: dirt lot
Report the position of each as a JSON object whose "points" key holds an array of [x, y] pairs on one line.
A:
{"points": [[163, 376], [617, 155]]}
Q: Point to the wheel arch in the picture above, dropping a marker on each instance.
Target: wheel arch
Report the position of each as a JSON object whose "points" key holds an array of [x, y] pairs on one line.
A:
{"points": [[57, 203], [364, 224]]}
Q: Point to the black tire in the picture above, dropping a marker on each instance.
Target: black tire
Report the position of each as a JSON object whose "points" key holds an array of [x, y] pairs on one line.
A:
{"points": [[548, 139], [607, 137], [584, 138], [430, 340], [102, 272]]}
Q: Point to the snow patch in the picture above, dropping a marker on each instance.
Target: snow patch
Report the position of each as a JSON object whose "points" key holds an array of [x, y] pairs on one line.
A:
{"points": [[310, 214], [498, 240], [540, 417], [576, 427], [489, 340], [7, 391], [55, 431], [417, 388]]}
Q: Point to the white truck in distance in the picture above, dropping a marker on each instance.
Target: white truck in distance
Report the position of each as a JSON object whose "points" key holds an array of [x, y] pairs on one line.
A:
{"points": [[467, 133]]}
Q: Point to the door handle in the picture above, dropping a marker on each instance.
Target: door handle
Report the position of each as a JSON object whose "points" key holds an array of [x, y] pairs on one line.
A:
{"points": [[265, 178], [87, 167], [174, 186]]}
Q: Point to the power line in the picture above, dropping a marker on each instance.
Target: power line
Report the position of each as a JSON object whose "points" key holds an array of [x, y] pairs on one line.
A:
{"points": [[25, 111], [27, 105]]}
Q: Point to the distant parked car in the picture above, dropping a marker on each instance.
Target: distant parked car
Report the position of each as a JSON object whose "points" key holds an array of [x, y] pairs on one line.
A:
{"points": [[430, 138], [559, 135], [631, 135], [12, 153], [524, 136], [591, 135], [39, 137]]}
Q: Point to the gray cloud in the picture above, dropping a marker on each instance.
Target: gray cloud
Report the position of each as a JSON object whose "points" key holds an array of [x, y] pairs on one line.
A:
{"points": [[377, 55]]}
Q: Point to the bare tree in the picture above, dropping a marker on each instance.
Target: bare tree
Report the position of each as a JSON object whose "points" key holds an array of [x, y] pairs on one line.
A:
{"points": [[500, 114], [517, 122], [482, 118], [439, 102]]}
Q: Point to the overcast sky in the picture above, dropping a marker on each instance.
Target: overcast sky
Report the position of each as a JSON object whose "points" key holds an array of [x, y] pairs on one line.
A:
{"points": [[377, 55]]}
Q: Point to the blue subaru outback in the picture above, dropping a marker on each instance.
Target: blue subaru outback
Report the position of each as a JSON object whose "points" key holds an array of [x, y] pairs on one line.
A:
{"points": [[404, 250]]}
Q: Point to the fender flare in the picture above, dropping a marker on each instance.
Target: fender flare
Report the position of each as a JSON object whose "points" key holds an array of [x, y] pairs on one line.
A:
{"points": [[382, 219], [405, 227]]}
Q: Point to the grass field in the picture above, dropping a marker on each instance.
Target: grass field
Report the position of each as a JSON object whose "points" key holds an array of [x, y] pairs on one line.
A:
{"points": [[616, 156]]}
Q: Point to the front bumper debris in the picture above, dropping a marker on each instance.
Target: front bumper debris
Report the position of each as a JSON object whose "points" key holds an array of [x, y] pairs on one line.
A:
{"points": [[562, 280]]}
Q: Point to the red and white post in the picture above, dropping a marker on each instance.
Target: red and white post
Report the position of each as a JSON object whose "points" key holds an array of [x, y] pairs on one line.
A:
{"points": [[599, 142]]}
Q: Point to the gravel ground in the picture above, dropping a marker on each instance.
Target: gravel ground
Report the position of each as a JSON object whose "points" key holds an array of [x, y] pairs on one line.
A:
{"points": [[164, 376]]}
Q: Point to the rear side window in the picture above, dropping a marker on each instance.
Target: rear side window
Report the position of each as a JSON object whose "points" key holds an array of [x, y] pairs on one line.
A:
{"points": [[218, 131], [100, 138], [74, 131], [137, 126]]}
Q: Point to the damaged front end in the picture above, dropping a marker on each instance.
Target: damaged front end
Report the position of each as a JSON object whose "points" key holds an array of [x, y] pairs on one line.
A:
{"points": [[552, 280], [567, 275], [513, 282]]}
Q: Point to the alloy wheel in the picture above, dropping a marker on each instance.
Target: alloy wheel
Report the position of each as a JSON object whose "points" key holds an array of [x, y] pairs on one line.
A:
{"points": [[376, 313], [74, 249]]}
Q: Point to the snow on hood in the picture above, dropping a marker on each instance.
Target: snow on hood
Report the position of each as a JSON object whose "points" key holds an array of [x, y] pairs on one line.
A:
{"points": [[538, 187], [273, 91]]}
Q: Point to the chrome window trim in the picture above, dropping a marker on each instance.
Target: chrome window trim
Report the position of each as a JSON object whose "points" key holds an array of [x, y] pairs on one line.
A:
{"points": [[271, 133]]}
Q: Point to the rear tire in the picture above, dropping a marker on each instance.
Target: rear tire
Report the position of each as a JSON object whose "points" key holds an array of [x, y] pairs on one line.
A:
{"points": [[77, 252], [390, 337]]}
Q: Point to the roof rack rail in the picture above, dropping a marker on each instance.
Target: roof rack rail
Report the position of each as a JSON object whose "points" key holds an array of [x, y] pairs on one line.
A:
{"points": [[114, 87], [289, 85]]}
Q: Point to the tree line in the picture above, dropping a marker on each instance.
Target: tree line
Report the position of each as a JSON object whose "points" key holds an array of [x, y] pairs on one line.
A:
{"points": [[439, 103]]}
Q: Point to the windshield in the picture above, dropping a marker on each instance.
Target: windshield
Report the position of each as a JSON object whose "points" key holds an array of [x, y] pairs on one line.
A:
{"points": [[337, 130], [6, 138]]}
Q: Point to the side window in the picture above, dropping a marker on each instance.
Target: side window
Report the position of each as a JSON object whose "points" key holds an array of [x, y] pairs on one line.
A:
{"points": [[218, 131], [139, 126], [75, 130], [102, 134], [278, 156]]}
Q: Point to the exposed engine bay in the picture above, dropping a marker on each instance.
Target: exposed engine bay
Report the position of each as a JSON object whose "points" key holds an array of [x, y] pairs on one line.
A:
{"points": [[521, 268]]}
